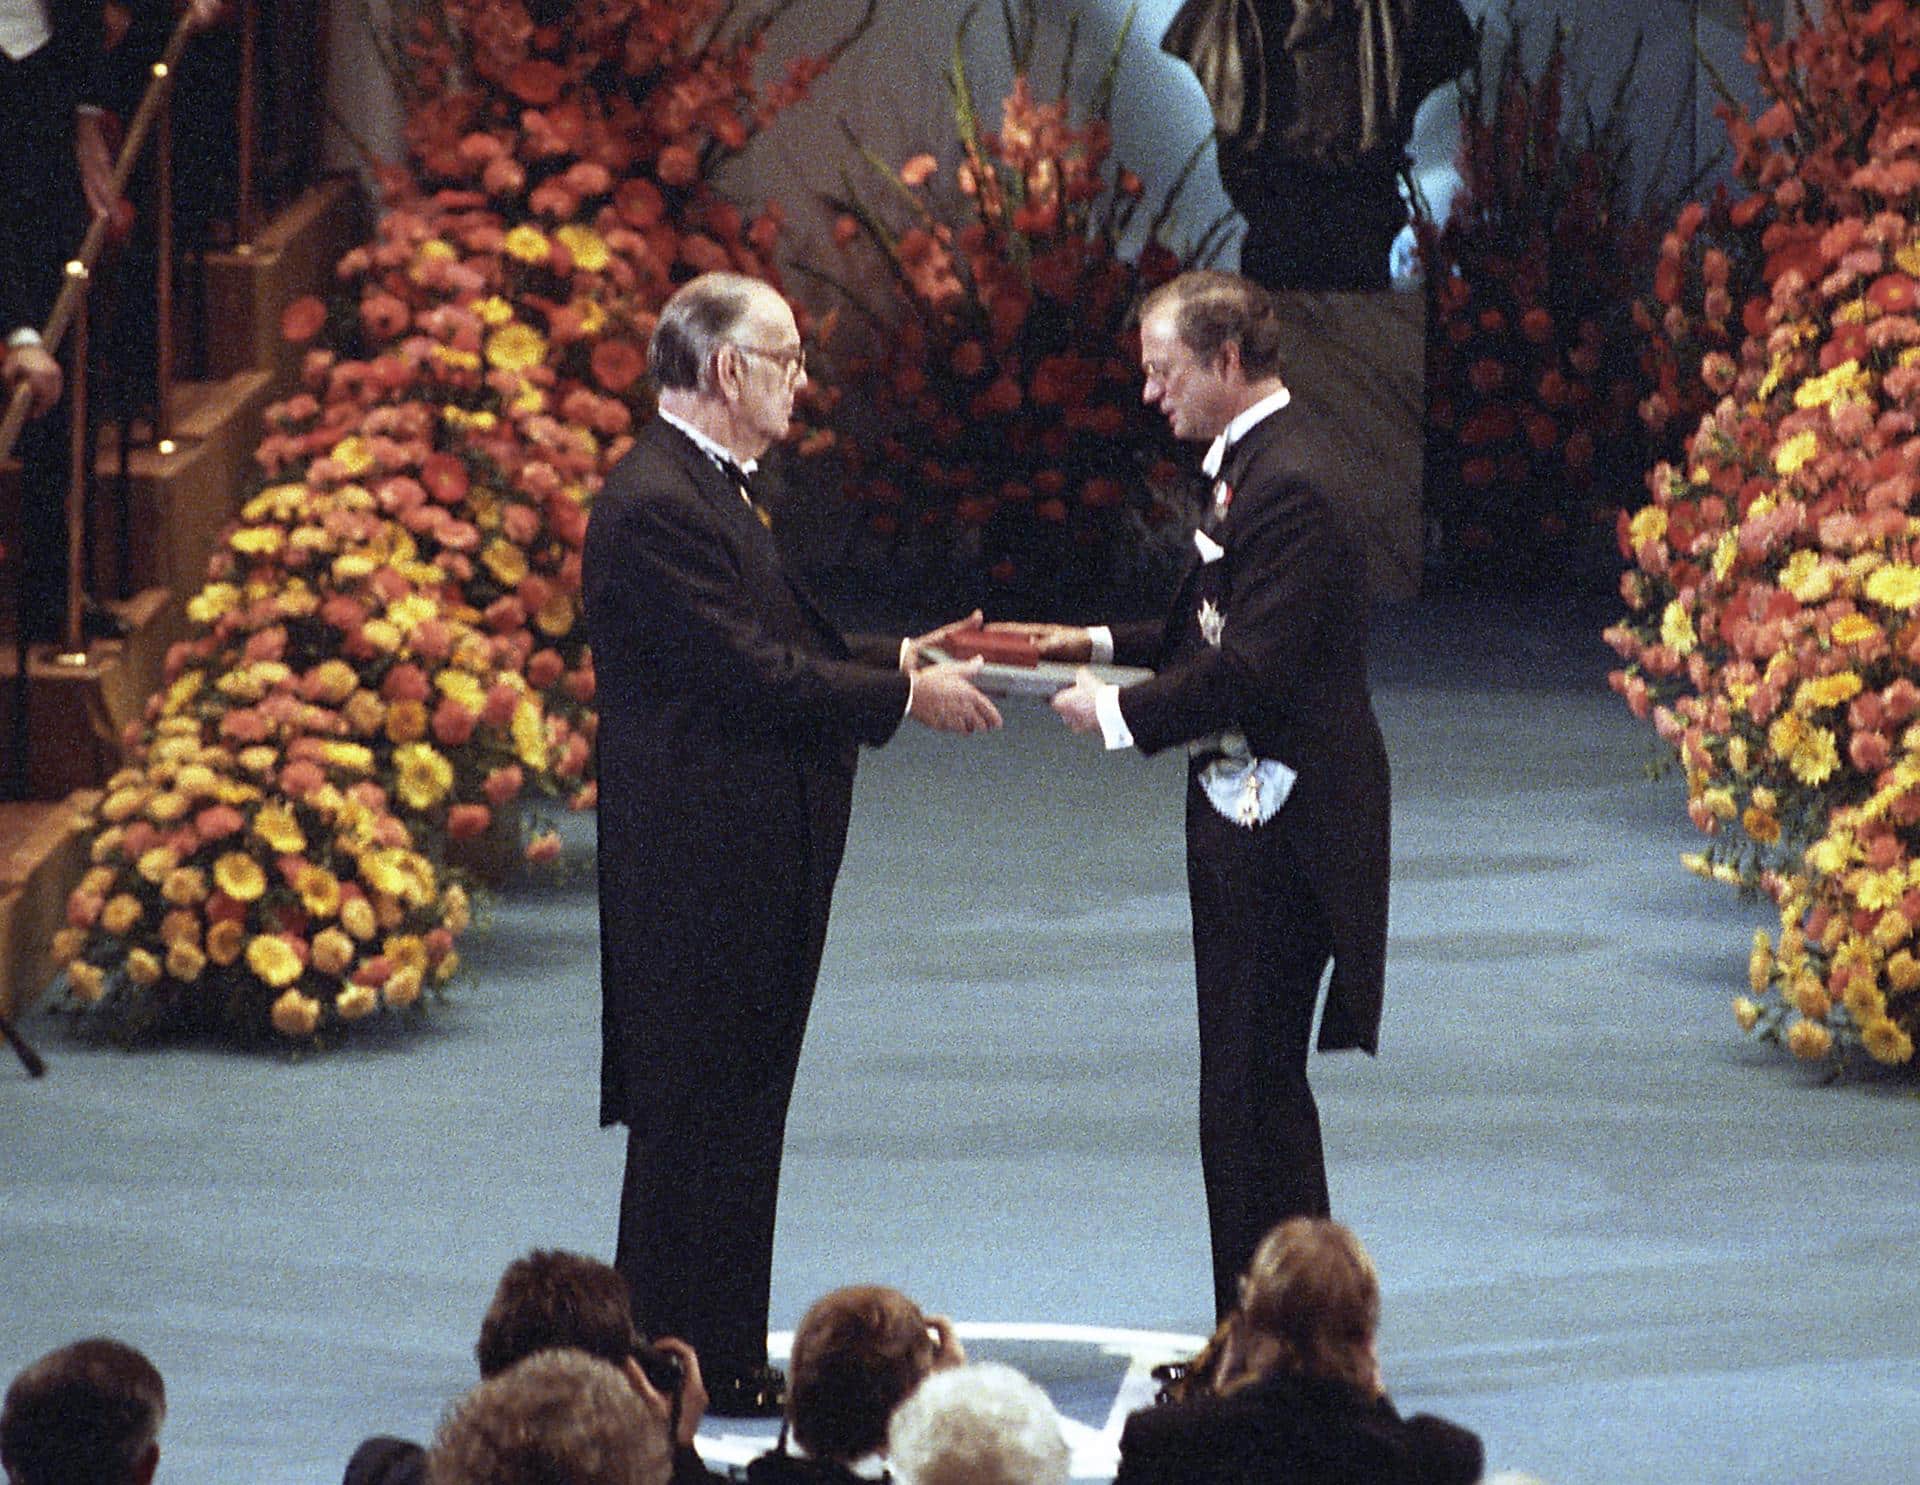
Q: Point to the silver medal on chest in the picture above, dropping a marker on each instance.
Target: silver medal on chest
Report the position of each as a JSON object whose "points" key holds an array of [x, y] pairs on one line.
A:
{"points": [[1212, 622]]}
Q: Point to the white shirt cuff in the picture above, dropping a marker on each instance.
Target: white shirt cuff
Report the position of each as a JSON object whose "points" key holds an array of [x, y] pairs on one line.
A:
{"points": [[1113, 727], [1101, 637], [912, 681], [26, 335]]}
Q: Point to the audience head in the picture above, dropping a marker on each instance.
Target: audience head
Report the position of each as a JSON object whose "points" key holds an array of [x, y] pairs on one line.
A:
{"points": [[556, 1418], [978, 1425], [1309, 1306], [87, 1414], [552, 1299], [858, 1352]]}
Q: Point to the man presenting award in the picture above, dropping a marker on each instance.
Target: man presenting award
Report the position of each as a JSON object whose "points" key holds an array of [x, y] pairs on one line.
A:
{"points": [[731, 711], [1261, 674]]}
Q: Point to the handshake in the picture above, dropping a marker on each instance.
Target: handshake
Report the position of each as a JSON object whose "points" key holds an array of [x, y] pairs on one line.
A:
{"points": [[946, 698]]}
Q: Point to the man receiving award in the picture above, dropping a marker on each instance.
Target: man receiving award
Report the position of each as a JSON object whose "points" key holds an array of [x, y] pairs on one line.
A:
{"points": [[1261, 673], [731, 712]]}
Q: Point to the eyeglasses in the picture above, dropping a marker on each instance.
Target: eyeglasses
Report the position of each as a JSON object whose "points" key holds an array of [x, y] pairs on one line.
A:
{"points": [[793, 362]]}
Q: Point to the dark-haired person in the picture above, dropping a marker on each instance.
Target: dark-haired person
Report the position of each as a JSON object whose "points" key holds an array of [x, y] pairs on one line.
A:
{"points": [[554, 1300], [731, 714], [86, 1414], [1261, 675], [858, 1355], [1294, 1397]]}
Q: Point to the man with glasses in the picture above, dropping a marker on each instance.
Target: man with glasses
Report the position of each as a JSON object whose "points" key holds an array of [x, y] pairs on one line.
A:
{"points": [[731, 713]]}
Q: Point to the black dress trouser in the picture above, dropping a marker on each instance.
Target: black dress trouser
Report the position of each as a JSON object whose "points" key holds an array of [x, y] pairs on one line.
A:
{"points": [[1261, 945]]}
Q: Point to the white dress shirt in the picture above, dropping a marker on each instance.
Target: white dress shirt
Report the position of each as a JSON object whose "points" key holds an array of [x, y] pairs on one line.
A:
{"points": [[23, 28]]}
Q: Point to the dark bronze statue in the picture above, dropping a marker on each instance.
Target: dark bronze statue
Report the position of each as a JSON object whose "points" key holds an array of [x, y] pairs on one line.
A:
{"points": [[1313, 102]]}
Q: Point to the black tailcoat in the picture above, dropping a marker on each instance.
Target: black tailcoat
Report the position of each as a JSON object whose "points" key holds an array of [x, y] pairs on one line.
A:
{"points": [[1271, 904], [731, 712]]}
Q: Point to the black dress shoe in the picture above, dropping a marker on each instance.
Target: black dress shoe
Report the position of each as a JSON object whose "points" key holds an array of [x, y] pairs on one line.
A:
{"points": [[757, 1392]]}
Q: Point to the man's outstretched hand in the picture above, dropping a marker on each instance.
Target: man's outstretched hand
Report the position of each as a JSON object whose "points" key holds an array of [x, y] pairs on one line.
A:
{"points": [[946, 699]]}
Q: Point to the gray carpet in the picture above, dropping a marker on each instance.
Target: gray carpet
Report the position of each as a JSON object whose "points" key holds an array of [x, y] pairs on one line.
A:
{"points": [[1615, 1239]]}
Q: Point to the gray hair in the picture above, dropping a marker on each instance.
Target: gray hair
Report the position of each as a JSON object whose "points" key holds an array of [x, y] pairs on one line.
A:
{"points": [[82, 1415], [1211, 308], [982, 1424], [701, 317], [556, 1418]]}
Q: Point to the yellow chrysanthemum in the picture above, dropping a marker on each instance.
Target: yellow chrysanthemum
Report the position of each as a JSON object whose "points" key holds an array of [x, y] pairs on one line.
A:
{"points": [[406, 950], [1786, 734], [1815, 758], [1746, 1012], [529, 735], [319, 892], [349, 756], [382, 634], [239, 876], [181, 693], [493, 311], [1863, 1000], [412, 610], [1649, 524], [456, 910], [167, 807], [402, 988], [1810, 997], [185, 961], [179, 924], [1903, 972], [463, 688], [257, 541], [1676, 628], [273, 960], [1795, 452], [86, 982], [225, 940], [1854, 629], [1896, 586], [555, 617], [422, 775], [1760, 962], [1878, 890], [1886, 1042], [353, 454], [355, 1001], [516, 347], [528, 244], [1907, 257], [155, 862], [332, 681], [1719, 803], [332, 952], [211, 602], [1826, 691], [1761, 824], [588, 247], [121, 914], [357, 917], [1846, 382], [1725, 552], [593, 319], [295, 1015], [143, 967], [506, 562], [276, 825]]}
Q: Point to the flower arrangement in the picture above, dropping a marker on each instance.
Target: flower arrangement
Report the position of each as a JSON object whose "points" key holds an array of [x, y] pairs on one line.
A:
{"points": [[1773, 632], [995, 432], [387, 653], [1532, 373]]}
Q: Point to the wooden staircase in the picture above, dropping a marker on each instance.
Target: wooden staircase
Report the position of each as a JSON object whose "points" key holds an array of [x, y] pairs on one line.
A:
{"points": [[178, 501]]}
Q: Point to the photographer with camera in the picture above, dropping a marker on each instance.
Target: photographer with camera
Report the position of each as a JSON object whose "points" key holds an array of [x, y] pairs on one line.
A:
{"points": [[552, 1300]]}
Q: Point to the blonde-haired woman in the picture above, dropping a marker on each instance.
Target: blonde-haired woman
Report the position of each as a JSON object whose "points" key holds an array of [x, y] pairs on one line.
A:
{"points": [[1290, 1392]]}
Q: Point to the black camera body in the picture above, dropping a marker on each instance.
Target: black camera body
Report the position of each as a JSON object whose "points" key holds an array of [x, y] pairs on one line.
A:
{"points": [[662, 1368]]}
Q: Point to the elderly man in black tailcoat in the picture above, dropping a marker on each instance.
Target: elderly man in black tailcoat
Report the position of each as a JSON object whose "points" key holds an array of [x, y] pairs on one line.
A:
{"points": [[1262, 676], [731, 711]]}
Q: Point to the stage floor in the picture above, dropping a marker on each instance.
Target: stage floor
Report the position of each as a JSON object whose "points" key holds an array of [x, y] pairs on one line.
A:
{"points": [[1621, 1243]]}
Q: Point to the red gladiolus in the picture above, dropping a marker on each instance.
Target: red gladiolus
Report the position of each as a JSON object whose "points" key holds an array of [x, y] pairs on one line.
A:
{"points": [[1537, 325], [301, 320], [502, 701], [1478, 473], [543, 849], [406, 682], [536, 81], [545, 668], [1892, 293], [384, 316]]}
